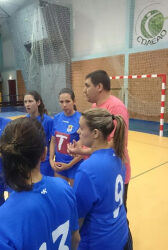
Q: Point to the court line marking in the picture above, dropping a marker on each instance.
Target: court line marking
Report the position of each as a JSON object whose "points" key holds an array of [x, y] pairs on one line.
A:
{"points": [[151, 169]]}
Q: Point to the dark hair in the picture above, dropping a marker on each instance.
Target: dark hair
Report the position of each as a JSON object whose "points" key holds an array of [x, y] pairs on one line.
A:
{"points": [[102, 120], [21, 146], [41, 108], [100, 76], [70, 92]]}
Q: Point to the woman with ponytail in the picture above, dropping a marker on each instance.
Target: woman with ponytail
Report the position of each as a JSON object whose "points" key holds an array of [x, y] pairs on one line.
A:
{"points": [[36, 109], [99, 183]]}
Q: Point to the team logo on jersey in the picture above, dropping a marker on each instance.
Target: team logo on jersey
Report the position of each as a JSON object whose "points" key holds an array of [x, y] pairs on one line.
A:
{"points": [[70, 127], [62, 140], [44, 191], [151, 25]]}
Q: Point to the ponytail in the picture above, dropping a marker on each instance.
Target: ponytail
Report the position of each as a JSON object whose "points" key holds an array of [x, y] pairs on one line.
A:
{"points": [[102, 120], [119, 136]]}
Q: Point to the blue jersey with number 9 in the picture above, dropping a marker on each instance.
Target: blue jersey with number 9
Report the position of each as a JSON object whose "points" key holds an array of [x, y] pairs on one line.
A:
{"points": [[99, 188]]}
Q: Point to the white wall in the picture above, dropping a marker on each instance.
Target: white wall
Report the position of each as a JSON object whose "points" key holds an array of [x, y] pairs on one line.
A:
{"points": [[99, 26], [8, 59], [8, 54]]}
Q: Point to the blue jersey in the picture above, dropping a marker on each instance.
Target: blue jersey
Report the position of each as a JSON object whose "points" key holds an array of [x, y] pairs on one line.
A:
{"points": [[3, 123], [65, 131], [42, 218], [47, 123], [99, 188]]}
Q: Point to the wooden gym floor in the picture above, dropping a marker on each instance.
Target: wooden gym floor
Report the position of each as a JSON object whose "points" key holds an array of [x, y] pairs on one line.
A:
{"points": [[148, 191]]}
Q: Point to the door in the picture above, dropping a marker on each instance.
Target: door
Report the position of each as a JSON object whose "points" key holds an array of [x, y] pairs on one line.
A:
{"points": [[12, 92]]}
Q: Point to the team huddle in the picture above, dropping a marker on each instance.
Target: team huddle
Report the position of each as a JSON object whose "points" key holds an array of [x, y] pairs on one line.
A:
{"points": [[68, 175]]}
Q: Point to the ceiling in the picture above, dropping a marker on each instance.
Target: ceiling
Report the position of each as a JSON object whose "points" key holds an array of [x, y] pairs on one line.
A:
{"points": [[8, 7]]}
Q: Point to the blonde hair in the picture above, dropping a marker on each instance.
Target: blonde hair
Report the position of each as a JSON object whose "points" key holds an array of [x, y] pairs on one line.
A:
{"points": [[102, 120]]}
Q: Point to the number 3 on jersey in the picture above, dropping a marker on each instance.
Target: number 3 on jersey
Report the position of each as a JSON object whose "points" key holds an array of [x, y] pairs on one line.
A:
{"points": [[61, 230], [119, 190]]}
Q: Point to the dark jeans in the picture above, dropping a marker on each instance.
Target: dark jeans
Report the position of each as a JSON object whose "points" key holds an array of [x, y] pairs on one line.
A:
{"points": [[125, 196], [129, 245]]}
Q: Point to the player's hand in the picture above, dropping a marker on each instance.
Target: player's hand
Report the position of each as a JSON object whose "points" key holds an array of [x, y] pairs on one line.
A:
{"points": [[60, 166], [75, 148]]}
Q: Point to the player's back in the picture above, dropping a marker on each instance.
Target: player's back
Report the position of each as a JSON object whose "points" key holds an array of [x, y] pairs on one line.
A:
{"points": [[42, 218], [105, 224]]}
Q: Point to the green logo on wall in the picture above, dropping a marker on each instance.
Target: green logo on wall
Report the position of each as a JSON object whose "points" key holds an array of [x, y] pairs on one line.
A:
{"points": [[150, 24]]}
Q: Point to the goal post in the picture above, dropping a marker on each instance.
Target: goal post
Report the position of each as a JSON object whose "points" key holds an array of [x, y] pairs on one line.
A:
{"points": [[163, 92]]}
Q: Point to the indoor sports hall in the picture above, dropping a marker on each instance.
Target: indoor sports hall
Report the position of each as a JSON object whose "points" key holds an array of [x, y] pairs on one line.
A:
{"points": [[52, 44]]}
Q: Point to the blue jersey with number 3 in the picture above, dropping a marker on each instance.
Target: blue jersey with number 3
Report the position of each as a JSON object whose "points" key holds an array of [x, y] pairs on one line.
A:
{"points": [[42, 218], [99, 187]]}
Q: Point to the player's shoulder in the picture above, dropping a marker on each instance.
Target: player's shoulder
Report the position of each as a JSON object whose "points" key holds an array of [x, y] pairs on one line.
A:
{"points": [[116, 100], [58, 183], [87, 165], [95, 160], [60, 188], [4, 121], [47, 117], [58, 115], [77, 114], [115, 105], [47, 121]]}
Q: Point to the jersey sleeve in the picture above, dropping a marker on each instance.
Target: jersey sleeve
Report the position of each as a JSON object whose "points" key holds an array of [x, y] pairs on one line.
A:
{"points": [[53, 126], [75, 225], [85, 193], [75, 217], [50, 127]]}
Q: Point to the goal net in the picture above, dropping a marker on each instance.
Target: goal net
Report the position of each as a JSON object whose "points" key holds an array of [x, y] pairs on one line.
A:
{"points": [[145, 98], [41, 36]]}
